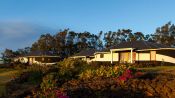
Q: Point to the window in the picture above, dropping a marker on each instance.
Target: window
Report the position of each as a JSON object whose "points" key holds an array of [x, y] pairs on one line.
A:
{"points": [[101, 55]]}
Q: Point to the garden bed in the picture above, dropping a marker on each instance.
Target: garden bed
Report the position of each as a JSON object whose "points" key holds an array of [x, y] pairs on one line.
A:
{"points": [[77, 79], [148, 86]]}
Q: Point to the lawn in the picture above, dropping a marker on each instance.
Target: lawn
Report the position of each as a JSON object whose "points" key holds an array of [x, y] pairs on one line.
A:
{"points": [[6, 75], [160, 69]]}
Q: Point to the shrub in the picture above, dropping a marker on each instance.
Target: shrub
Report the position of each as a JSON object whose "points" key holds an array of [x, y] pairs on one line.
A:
{"points": [[32, 74], [102, 71], [48, 82], [123, 72], [49, 93], [20, 66], [126, 72], [70, 68], [38, 68], [97, 63], [49, 89]]}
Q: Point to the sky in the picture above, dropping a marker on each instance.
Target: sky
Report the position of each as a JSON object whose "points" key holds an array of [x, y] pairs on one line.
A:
{"points": [[23, 21]]}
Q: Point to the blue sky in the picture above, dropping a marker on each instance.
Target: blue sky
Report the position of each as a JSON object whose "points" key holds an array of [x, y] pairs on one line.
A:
{"points": [[23, 21]]}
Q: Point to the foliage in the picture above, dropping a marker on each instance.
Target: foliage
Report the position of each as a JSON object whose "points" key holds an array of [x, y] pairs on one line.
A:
{"points": [[51, 78], [48, 82], [165, 34], [127, 74], [49, 88], [49, 93], [31, 74], [70, 68], [19, 66], [124, 71], [102, 71], [9, 54], [66, 43]]}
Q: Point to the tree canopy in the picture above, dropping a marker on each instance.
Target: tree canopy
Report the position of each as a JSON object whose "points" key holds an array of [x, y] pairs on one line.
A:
{"points": [[66, 42]]}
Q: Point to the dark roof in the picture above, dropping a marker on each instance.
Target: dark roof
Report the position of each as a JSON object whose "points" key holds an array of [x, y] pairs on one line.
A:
{"points": [[86, 52], [139, 45], [104, 50], [41, 53]]}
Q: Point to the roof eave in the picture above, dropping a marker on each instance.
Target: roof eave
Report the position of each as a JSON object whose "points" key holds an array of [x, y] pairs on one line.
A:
{"points": [[121, 49]]}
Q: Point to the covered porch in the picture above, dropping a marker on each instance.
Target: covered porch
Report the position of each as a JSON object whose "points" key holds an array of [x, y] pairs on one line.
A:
{"points": [[125, 55]]}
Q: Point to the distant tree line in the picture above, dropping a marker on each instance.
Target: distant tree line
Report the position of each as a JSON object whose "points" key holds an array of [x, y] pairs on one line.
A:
{"points": [[66, 42]]}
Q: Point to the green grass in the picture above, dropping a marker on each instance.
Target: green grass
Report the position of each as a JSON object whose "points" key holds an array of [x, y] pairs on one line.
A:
{"points": [[2, 70], [158, 68], [6, 75]]}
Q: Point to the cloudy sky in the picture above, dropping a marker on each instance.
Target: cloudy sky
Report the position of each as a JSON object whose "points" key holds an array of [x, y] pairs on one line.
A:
{"points": [[17, 34], [23, 21]]}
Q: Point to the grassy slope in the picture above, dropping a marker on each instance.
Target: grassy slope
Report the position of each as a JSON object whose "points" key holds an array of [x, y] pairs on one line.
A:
{"points": [[160, 69], [5, 76]]}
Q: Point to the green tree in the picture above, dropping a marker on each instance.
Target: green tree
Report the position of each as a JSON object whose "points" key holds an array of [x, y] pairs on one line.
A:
{"points": [[165, 34], [60, 42]]}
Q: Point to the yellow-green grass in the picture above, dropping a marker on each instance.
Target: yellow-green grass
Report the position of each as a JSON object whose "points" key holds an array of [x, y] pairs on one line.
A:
{"points": [[158, 68], [6, 75]]}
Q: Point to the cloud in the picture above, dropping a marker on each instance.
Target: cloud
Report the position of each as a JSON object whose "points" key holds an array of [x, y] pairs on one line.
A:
{"points": [[17, 34], [19, 29]]}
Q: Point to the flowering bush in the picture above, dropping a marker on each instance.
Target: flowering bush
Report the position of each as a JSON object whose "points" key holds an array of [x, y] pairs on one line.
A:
{"points": [[126, 72], [60, 94], [102, 71], [49, 88]]}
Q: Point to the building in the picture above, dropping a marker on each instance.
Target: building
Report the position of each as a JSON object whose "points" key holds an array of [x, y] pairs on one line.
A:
{"points": [[86, 55], [39, 57], [21, 59], [42, 58], [135, 52]]}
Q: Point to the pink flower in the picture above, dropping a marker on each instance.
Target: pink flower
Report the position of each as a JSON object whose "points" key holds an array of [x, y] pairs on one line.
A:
{"points": [[126, 75], [60, 94], [63, 97], [128, 71], [122, 78]]}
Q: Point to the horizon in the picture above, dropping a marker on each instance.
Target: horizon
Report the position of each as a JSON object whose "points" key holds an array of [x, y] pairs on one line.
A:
{"points": [[22, 22]]}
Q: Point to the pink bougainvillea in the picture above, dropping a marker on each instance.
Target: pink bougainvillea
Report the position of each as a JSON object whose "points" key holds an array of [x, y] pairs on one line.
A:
{"points": [[60, 94], [127, 74]]}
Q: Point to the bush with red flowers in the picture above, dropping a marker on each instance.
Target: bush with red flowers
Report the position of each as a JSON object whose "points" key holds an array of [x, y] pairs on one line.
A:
{"points": [[127, 72]]}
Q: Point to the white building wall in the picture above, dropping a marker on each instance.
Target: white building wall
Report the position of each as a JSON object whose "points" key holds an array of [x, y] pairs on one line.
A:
{"points": [[107, 57], [143, 56], [23, 59], [115, 56], [160, 57]]}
